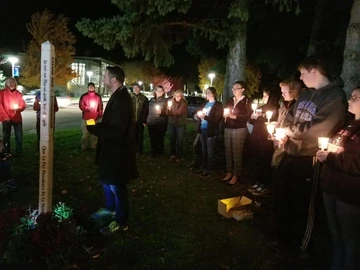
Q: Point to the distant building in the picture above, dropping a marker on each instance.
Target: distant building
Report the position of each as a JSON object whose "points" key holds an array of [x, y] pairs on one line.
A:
{"points": [[87, 68]]}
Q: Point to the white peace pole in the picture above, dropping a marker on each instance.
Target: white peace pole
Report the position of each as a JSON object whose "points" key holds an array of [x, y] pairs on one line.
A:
{"points": [[47, 122]]}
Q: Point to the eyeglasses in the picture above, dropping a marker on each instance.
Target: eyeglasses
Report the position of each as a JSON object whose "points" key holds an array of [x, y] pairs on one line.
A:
{"points": [[354, 98]]}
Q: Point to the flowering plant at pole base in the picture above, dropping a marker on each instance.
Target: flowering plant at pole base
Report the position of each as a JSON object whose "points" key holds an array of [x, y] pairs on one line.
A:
{"points": [[49, 240]]}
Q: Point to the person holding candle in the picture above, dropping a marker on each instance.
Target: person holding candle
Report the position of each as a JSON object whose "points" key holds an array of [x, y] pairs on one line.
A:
{"points": [[177, 112], [262, 148], [319, 111], [157, 121], [37, 109], [91, 106], [236, 114], [210, 116], [13, 103], [290, 91], [340, 185], [141, 109]]}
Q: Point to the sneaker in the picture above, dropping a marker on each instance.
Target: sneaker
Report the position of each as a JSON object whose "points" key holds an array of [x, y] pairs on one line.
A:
{"points": [[112, 228], [11, 184], [205, 174], [260, 191], [274, 246], [254, 188], [101, 213], [199, 171]]}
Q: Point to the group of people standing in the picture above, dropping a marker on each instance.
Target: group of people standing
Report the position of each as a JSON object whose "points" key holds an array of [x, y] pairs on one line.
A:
{"points": [[285, 164], [159, 115]]}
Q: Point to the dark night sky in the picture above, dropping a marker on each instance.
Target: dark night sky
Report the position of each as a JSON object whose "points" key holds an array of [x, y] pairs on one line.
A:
{"points": [[14, 35], [15, 15]]}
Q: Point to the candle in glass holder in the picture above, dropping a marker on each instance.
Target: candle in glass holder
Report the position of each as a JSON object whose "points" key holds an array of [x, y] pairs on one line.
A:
{"points": [[268, 115], [270, 128], [16, 106], [200, 113], [253, 107], [226, 111], [169, 103], [279, 133], [323, 143], [157, 107], [92, 104]]}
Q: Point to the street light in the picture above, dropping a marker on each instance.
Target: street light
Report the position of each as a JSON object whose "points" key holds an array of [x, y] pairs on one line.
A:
{"points": [[13, 61], [89, 73], [211, 76], [140, 83]]}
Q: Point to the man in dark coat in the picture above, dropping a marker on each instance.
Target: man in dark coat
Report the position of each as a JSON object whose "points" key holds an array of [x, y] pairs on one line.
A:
{"points": [[116, 153]]}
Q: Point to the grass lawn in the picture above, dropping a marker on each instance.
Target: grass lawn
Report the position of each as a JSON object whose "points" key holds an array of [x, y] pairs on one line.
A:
{"points": [[174, 222]]}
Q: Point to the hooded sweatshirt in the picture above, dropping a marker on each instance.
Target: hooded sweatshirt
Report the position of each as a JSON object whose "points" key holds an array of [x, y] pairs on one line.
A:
{"points": [[317, 113]]}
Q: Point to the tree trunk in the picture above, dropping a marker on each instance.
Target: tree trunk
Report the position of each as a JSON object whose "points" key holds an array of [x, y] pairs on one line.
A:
{"points": [[351, 65], [315, 31], [236, 61]]}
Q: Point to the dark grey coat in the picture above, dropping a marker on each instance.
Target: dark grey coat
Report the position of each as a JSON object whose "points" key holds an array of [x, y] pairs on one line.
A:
{"points": [[116, 153]]}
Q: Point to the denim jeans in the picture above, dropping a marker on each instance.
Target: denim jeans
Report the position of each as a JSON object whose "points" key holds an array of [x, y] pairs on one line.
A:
{"points": [[177, 134], [18, 136], [207, 150], [116, 198], [344, 225]]}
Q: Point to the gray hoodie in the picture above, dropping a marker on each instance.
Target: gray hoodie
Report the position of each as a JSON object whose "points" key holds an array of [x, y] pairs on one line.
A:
{"points": [[317, 113]]}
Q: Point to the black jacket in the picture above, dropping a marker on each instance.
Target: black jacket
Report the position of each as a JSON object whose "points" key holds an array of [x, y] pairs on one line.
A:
{"points": [[340, 173], [213, 119], [242, 110], [116, 152]]}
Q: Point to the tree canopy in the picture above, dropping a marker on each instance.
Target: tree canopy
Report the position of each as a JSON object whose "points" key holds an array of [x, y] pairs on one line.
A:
{"points": [[48, 26]]}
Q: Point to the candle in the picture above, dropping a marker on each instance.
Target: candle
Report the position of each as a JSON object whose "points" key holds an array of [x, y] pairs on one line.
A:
{"points": [[92, 104], [268, 115], [253, 106], [200, 113], [323, 143], [157, 107], [226, 111], [169, 103], [279, 133], [16, 106], [270, 128]]}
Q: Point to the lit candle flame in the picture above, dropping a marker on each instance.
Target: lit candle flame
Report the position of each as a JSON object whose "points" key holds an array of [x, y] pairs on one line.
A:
{"points": [[323, 143], [157, 107], [270, 128], [279, 133], [92, 104], [269, 114], [253, 106], [200, 113], [16, 106], [169, 103], [226, 111]]}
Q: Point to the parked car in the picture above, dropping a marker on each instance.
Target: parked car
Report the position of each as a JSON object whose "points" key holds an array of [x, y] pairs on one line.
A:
{"points": [[62, 99], [194, 105], [29, 97]]}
